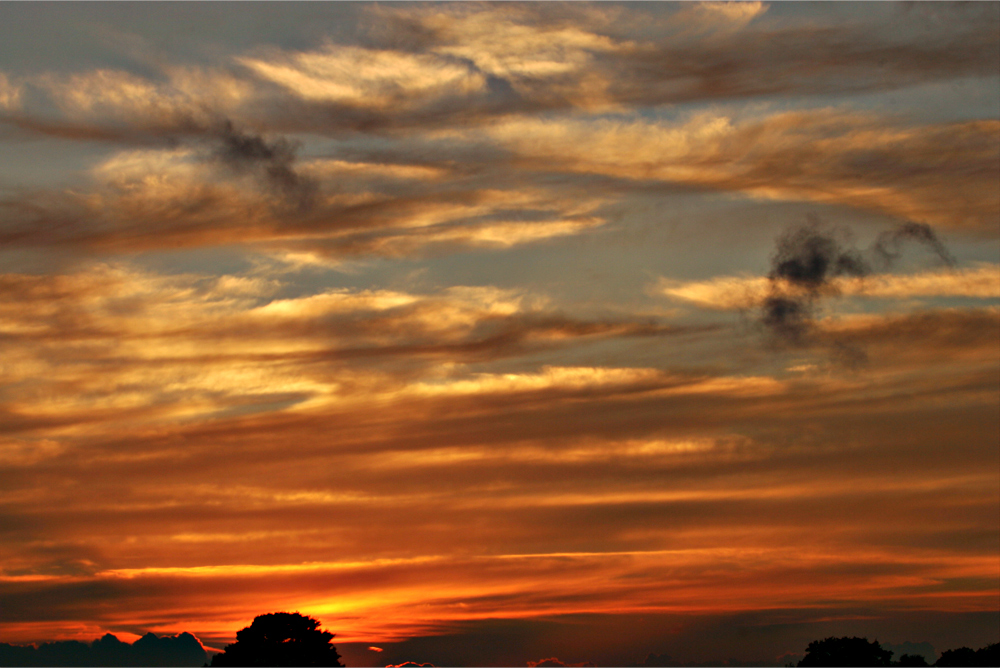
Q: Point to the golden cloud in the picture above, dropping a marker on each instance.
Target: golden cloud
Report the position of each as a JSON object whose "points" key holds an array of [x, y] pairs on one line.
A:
{"points": [[820, 156], [366, 77], [741, 292]]}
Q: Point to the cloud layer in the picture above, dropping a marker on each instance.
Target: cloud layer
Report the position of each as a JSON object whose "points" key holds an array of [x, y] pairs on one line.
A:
{"points": [[443, 323]]}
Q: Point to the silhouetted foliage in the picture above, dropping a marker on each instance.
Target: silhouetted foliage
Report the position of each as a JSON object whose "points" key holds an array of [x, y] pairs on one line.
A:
{"points": [[910, 660], [149, 650], [556, 663], [965, 656], [846, 652], [280, 639]]}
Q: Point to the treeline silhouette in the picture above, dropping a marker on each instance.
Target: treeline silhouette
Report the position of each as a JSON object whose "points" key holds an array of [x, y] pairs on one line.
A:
{"points": [[149, 650], [856, 651], [292, 639]]}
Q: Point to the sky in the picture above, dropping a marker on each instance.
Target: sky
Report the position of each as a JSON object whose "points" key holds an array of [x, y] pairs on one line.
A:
{"points": [[490, 333]]}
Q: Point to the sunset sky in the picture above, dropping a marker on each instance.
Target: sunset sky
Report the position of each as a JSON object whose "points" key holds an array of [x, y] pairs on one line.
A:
{"points": [[487, 333]]}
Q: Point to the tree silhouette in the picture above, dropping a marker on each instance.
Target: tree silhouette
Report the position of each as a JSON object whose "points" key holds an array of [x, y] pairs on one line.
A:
{"points": [[911, 660], [846, 652], [965, 656], [280, 639]]}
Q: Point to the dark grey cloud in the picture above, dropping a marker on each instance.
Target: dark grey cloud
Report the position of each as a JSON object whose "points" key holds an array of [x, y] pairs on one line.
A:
{"points": [[807, 261], [273, 161], [889, 245]]}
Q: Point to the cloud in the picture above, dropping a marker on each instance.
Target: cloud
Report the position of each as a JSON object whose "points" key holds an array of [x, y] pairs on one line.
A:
{"points": [[177, 197], [742, 292], [799, 59], [957, 336], [805, 262], [242, 151], [151, 199], [823, 156], [10, 94], [757, 638], [813, 264], [480, 464], [809, 259], [443, 67], [210, 137], [120, 106], [594, 58], [366, 78], [675, 512], [889, 244], [115, 339]]}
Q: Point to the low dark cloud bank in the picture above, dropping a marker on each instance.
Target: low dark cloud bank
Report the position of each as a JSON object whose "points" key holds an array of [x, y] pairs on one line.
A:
{"points": [[149, 650]]}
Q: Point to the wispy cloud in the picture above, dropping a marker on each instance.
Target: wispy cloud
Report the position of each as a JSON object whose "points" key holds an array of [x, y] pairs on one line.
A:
{"points": [[742, 292], [824, 156], [414, 318]]}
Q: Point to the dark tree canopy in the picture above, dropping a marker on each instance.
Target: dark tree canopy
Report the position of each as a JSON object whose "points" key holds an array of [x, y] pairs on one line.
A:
{"points": [[965, 656], [846, 652], [280, 639]]}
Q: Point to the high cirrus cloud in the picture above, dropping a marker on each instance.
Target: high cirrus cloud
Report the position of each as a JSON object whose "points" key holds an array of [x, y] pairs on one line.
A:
{"points": [[822, 156], [442, 67], [128, 340], [220, 140], [557, 178], [149, 199]]}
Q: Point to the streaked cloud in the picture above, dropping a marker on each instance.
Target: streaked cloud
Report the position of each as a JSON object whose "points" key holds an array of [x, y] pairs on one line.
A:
{"points": [[10, 94], [741, 292], [442, 324], [823, 156], [367, 77]]}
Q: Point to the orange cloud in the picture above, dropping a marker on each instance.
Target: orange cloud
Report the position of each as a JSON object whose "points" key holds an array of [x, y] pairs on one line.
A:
{"points": [[738, 292], [808, 156], [236, 378]]}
